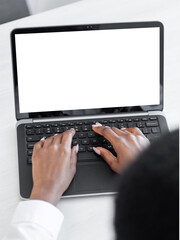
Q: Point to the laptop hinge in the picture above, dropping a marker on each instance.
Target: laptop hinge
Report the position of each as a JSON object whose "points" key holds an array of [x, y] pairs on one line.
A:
{"points": [[90, 117]]}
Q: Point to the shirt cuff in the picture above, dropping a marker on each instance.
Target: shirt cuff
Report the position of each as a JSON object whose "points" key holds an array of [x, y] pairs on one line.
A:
{"points": [[41, 213]]}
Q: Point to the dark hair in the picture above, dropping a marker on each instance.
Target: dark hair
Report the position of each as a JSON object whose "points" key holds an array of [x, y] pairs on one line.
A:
{"points": [[147, 205]]}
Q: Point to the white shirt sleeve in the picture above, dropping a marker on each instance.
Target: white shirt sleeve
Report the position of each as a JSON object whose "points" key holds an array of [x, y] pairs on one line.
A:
{"points": [[35, 219]]}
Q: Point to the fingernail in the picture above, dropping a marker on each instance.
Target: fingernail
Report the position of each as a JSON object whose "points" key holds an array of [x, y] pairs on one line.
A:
{"points": [[42, 139], [55, 134], [97, 124], [123, 128], [77, 148], [97, 151]]}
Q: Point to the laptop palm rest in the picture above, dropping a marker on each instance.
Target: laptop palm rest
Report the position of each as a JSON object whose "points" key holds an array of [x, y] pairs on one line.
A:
{"points": [[94, 177]]}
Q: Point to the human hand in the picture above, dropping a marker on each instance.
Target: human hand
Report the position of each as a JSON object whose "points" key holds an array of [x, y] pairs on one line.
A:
{"points": [[53, 166], [127, 143]]}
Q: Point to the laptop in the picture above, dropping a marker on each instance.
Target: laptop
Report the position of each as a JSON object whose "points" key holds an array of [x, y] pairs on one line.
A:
{"points": [[75, 76]]}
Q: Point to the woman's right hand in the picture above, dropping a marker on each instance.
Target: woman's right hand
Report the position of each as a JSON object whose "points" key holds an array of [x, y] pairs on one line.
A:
{"points": [[127, 143]]}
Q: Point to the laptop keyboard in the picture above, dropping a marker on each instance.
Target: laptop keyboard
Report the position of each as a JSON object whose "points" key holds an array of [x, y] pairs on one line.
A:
{"points": [[85, 136]]}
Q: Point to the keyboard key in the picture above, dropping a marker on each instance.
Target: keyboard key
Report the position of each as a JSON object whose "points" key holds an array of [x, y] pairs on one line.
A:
{"points": [[39, 131], [152, 124], [75, 142], [79, 123], [153, 118], [37, 126], [85, 142], [94, 141], [112, 121], [57, 130], [54, 125], [71, 124], [47, 130], [104, 121], [30, 132], [100, 139], [146, 130], [30, 145], [128, 120], [29, 126], [90, 149], [140, 124], [91, 134], [77, 128], [156, 130], [120, 120], [67, 128], [86, 128], [62, 124], [29, 160], [144, 119], [46, 125], [82, 135], [82, 149], [109, 147], [29, 152], [104, 141], [136, 119], [33, 139]]}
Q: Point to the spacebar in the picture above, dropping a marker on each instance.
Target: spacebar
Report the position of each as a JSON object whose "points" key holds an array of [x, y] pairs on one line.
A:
{"points": [[88, 156]]}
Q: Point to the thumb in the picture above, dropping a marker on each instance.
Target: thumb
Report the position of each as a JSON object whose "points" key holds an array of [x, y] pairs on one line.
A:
{"points": [[106, 155], [74, 152]]}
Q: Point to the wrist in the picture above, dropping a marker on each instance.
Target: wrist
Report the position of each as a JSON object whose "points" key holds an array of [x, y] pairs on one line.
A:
{"points": [[44, 194]]}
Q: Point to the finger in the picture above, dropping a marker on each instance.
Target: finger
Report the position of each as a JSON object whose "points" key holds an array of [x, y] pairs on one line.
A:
{"points": [[57, 139], [74, 152], [106, 155], [124, 130], [119, 132], [107, 132], [135, 131], [67, 137], [39, 145], [48, 142]]}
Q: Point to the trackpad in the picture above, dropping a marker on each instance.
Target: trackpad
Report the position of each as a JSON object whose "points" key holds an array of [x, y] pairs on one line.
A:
{"points": [[94, 178]]}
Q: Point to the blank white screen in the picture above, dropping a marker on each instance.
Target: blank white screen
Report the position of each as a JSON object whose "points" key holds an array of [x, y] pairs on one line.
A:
{"points": [[88, 69]]}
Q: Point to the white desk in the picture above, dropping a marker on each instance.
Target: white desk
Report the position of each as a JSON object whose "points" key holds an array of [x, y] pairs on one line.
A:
{"points": [[85, 218]]}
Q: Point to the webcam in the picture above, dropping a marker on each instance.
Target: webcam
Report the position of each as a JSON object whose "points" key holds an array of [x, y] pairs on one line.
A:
{"points": [[89, 27]]}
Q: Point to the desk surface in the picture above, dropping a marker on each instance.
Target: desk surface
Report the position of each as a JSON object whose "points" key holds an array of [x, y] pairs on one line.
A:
{"points": [[88, 217]]}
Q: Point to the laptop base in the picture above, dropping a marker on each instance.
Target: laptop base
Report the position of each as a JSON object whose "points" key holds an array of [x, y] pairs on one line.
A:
{"points": [[93, 175]]}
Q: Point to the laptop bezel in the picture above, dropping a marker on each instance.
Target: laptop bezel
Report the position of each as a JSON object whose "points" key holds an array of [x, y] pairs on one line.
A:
{"points": [[86, 27]]}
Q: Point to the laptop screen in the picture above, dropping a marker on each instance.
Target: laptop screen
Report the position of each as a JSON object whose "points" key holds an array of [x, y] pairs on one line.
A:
{"points": [[88, 69]]}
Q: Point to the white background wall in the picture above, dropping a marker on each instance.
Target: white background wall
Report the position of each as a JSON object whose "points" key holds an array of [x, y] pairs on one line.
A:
{"points": [[85, 218], [37, 6]]}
